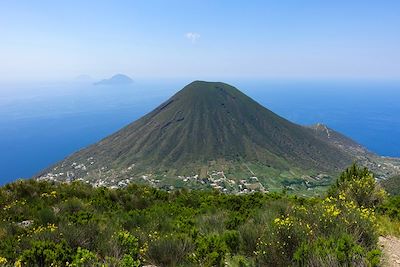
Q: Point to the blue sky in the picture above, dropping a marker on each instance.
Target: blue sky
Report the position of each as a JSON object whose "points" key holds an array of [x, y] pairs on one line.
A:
{"points": [[307, 39]]}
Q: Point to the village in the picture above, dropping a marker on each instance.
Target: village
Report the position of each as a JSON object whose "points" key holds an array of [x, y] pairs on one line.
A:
{"points": [[105, 177]]}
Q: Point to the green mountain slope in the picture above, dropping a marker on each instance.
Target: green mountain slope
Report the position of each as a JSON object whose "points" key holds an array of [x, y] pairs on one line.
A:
{"points": [[204, 128], [207, 121], [392, 185], [337, 139]]}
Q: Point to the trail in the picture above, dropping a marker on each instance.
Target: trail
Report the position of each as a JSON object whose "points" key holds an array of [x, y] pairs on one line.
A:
{"points": [[391, 250]]}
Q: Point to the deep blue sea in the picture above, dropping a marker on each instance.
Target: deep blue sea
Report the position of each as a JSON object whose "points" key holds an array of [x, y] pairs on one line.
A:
{"points": [[41, 123]]}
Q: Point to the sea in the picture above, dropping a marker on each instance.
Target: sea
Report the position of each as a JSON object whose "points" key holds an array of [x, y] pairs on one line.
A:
{"points": [[43, 122]]}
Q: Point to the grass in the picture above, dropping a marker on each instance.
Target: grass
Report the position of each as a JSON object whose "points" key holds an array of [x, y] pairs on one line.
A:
{"points": [[388, 226]]}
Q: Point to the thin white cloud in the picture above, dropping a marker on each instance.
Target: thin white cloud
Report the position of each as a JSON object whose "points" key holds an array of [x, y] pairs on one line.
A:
{"points": [[192, 36]]}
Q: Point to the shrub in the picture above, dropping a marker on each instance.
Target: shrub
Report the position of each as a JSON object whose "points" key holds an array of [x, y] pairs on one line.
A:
{"points": [[3, 261], [234, 220], [359, 184], [46, 216], [81, 235], [129, 249], [81, 217], [170, 250], [250, 233], [46, 253], [129, 261], [339, 251], [128, 243], [391, 207], [72, 205], [238, 261], [210, 251], [193, 228], [278, 245], [232, 241], [185, 224], [83, 258], [212, 222]]}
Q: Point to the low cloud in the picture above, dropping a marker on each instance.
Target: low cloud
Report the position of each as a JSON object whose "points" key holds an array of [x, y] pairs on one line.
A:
{"points": [[192, 36]]}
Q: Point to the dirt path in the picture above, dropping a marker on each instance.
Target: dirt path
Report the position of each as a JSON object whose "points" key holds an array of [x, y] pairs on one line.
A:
{"points": [[391, 250]]}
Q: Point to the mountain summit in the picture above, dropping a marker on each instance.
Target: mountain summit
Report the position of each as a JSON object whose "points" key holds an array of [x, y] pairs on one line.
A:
{"points": [[206, 128], [211, 120]]}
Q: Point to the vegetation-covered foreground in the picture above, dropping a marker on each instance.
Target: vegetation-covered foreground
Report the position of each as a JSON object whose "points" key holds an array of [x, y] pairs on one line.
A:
{"points": [[45, 224]]}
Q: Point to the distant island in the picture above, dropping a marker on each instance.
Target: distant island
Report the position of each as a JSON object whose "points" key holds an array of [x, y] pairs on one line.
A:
{"points": [[118, 79]]}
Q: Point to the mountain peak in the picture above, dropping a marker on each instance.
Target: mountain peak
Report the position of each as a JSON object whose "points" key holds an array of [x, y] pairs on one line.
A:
{"points": [[206, 86], [205, 83], [208, 93], [209, 130], [207, 126]]}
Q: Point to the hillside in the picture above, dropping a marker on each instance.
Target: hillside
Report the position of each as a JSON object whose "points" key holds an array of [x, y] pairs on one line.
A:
{"points": [[383, 167], [75, 224], [392, 185], [212, 131], [340, 141]]}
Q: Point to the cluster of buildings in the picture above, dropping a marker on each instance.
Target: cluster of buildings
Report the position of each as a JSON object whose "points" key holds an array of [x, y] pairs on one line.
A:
{"points": [[105, 177]]}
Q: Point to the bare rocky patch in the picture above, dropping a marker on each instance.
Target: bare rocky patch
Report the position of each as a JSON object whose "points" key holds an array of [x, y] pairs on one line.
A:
{"points": [[391, 250]]}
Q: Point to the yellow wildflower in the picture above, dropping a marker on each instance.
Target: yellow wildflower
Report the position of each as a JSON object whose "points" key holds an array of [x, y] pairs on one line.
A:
{"points": [[3, 260]]}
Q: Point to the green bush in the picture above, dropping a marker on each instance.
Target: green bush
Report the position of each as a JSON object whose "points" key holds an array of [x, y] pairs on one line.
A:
{"points": [[82, 235], [211, 251], [359, 184], [338, 251], [232, 240], [129, 261], [238, 261], [170, 250], [250, 233], [46, 253], [84, 258], [129, 244], [391, 207]]}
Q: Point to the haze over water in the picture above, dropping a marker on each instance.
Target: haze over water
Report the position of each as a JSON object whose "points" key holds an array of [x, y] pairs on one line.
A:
{"points": [[42, 123]]}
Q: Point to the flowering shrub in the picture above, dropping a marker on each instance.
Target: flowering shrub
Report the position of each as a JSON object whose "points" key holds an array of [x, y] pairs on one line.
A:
{"points": [[359, 185], [327, 229], [44, 224], [3, 261]]}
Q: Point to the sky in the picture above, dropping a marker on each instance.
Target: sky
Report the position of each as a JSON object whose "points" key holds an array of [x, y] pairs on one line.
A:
{"points": [[307, 39]]}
